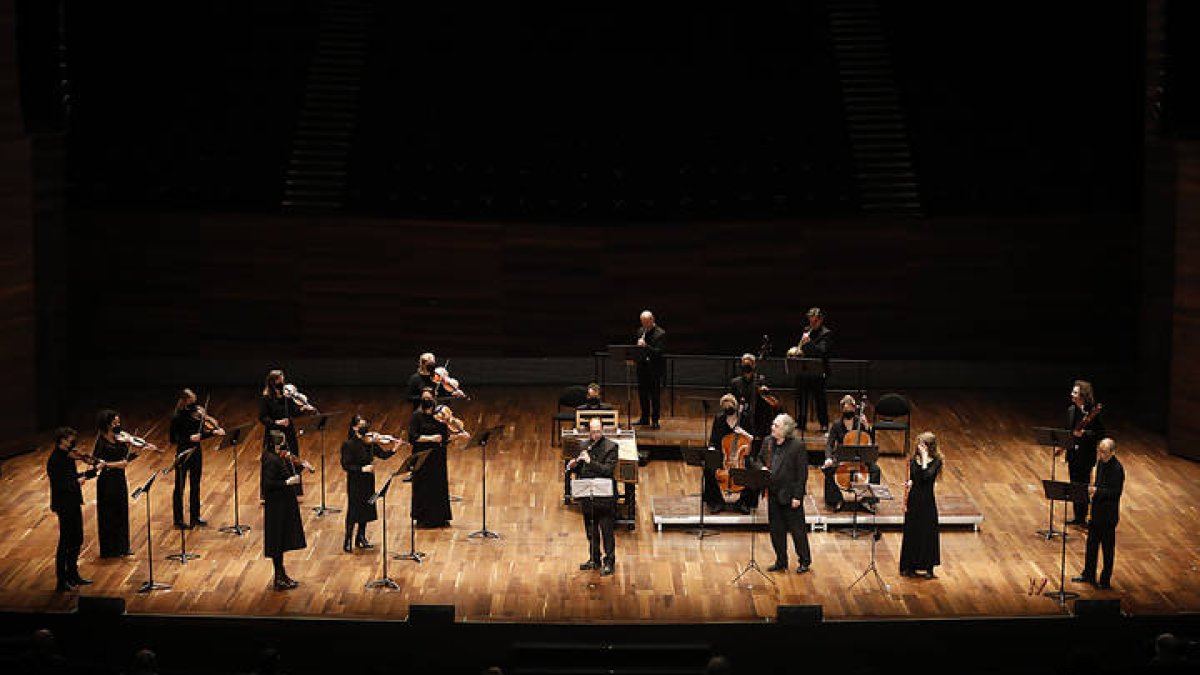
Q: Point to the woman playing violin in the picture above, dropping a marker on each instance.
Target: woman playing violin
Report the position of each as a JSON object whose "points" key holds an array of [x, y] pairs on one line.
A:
{"points": [[66, 501], [276, 412], [282, 528], [430, 485], [359, 450], [190, 425], [113, 448]]}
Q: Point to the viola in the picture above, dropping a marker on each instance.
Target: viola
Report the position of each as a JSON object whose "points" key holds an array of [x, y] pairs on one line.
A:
{"points": [[290, 391], [135, 441], [441, 377], [445, 415]]}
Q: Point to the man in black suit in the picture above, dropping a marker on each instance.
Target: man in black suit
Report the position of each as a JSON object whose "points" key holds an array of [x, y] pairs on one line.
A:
{"points": [[66, 501], [651, 366], [1106, 507], [598, 459], [816, 343], [785, 507]]}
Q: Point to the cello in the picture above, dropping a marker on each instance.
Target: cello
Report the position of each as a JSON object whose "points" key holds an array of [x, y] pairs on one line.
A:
{"points": [[849, 473], [735, 448]]}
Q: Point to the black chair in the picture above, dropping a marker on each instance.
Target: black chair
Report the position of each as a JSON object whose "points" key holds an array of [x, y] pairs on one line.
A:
{"points": [[894, 413], [571, 398]]}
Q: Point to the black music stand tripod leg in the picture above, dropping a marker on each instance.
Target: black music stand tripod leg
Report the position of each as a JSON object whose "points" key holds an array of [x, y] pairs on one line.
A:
{"points": [[754, 479], [150, 584], [233, 442]]}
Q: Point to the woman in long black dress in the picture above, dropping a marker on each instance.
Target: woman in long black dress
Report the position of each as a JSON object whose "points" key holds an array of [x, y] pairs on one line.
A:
{"points": [[282, 528], [358, 453], [920, 549], [112, 490], [725, 423], [276, 413], [430, 484]]}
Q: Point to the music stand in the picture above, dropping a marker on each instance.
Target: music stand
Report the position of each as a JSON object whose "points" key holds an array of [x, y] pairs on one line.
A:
{"points": [[706, 459], [873, 494], [150, 584], [806, 369], [405, 466], [630, 355], [482, 442], [412, 463], [867, 454], [183, 556], [1060, 491], [318, 424], [753, 479], [233, 439], [1057, 440]]}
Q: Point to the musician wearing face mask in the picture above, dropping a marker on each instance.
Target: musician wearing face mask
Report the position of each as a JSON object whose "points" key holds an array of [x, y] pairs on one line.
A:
{"points": [[651, 368], [430, 484], [1081, 456], [593, 400], [850, 421], [726, 422], [359, 451], [276, 412], [187, 431], [66, 501], [282, 528], [598, 459], [754, 415], [112, 490], [815, 343]]}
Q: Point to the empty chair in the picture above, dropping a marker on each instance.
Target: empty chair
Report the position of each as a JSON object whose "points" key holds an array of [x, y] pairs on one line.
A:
{"points": [[893, 413]]}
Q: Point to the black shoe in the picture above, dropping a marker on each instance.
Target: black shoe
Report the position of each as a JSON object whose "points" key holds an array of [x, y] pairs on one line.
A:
{"points": [[802, 569], [641, 422], [1081, 579], [65, 587], [742, 509], [655, 425], [606, 571], [281, 584], [824, 429], [907, 573], [869, 508], [930, 575], [1104, 586], [716, 508], [180, 525], [1077, 521], [199, 522], [837, 508], [80, 581], [347, 544], [589, 565], [362, 542], [408, 478], [778, 567]]}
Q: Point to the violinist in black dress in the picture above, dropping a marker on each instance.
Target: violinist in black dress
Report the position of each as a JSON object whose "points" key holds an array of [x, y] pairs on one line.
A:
{"points": [[1081, 456], [920, 549], [359, 451], [187, 431], [282, 528], [276, 412], [66, 501], [430, 484], [112, 490]]}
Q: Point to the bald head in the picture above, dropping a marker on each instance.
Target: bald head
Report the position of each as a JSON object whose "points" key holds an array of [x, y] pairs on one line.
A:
{"points": [[647, 319]]}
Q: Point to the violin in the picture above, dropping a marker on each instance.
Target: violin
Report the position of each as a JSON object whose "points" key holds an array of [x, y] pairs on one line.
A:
{"points": [[290, 391], [441, 377], [134, 441], [849, 473], [296, 461], [209, 423], [384, 439], [80, 456], [445, 415]]}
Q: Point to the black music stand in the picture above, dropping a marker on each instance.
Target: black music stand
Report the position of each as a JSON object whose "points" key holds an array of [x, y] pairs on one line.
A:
{"points": [[873, 494], [1060, 491], [705, 458], [806, 368], [183, 556], [1058, 440], [867, 454], [482, 442], [150, 584], [630, 355], [405, 466], [233, 439], [412, 463], [318, 424], [753, 479]]}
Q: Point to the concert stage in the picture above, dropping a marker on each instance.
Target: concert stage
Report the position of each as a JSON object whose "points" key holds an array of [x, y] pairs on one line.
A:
{"points": [[953, 510], [993, 472]]}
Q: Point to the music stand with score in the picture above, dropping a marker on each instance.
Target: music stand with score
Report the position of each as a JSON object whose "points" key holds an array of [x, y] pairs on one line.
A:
{"points": [[1057, 440], [708, 459], [1061, 491], [867, 454], [233, 440], [630, 355], [752, 479]]}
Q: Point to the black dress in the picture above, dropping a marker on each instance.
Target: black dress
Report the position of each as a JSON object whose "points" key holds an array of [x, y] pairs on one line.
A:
{"points": [[112, 500], [282, 527], [920, 548], [360, 486], [271, 408], [430, 484], [1081, 456], [418, 381]]}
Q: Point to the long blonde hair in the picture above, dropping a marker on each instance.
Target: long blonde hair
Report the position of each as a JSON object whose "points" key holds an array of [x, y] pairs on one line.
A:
{"points": [[186, 398], [931, 444]]}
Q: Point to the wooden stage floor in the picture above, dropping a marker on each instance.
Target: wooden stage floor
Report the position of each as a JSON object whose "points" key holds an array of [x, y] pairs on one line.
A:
{"points": [[669, 576]]}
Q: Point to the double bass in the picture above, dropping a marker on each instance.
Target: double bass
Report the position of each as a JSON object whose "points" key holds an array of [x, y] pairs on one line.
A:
{"points": [[849, 473]]}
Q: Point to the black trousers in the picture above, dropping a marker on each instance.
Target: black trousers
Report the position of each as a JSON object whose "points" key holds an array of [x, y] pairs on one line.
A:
{"points": [[649, 392], [70, 541], [1080, 472], [784, 520], [188, 472], [598, 517], [811, 391], [1100, 536]]}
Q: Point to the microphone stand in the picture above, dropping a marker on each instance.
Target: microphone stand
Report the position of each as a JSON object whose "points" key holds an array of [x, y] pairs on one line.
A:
{"points": [[150, 584], [183, 556], [484, 532]]}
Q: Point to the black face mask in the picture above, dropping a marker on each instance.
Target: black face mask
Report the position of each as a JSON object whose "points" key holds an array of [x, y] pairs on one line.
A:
{"points": [[362, 431], [747, 368], [426, 404], [278, 386], [848, 415], [71, 446], [117, 429], [593, 399], [730, 411]]}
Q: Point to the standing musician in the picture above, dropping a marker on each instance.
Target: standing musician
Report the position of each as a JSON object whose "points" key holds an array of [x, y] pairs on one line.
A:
{"points": [[112, 490], [815, 343], [788, 462], [276, 410], [598, 459], [651, 368], [358, 453], [1106, 512], [190, 425], [424, 378], [920, 547], [754, 415], [851, 420], [726, 422], [1081, 456], [66, 501], [282, 528], [428, 430]]}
